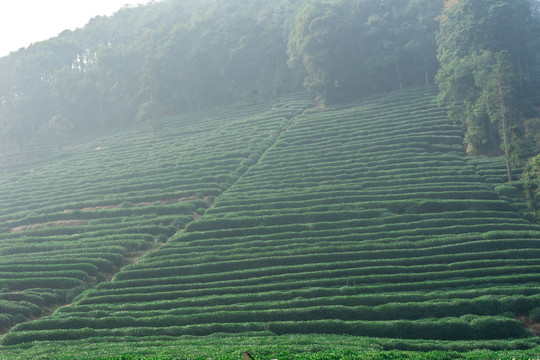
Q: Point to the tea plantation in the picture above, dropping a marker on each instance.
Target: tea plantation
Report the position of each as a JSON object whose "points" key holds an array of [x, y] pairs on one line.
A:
{"points": [[70, 221], [353, 231]]}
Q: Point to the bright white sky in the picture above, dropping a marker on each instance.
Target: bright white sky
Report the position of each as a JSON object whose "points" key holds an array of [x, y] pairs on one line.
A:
{"points": [[23, 22]]}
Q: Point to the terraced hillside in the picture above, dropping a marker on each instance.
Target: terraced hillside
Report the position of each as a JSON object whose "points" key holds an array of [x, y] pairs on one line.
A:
{"points": [[71, 221], [364, 220]]}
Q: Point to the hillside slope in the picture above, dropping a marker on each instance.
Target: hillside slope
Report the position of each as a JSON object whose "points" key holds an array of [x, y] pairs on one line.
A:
{"points": [[364, 220], [70, 221]]}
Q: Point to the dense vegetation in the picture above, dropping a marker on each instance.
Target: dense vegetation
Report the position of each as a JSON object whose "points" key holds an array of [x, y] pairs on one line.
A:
{"points": [[485, 49], [187, 55], [177, 56], [165, 171], [72, 222], [288, 347], [366, 220]]}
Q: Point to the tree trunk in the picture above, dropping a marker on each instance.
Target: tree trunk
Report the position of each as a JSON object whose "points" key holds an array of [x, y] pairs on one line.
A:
{"points": [[527, 70], [426, 64], [101, 100], [504, 127], [520, 70], [426, 69], [4, 150], [20, 139], [415, 69], [400, 77]]}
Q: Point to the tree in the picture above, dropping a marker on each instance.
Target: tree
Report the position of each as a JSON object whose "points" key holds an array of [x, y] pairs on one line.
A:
{"points": [[531, 185], [12, 122], [342, 49], [480, 54], [497, 81], [151, 113], [314, 46], [421, 22], [3, 142], [61, 128], [351, 48]]}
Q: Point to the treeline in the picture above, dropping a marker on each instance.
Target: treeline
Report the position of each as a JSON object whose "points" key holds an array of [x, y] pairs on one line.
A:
{"points": [[176, 56], [163, 58], [181, 55], [488, 54]]}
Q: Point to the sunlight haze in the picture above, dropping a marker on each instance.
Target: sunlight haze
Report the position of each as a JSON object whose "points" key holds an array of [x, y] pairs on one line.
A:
{"points": [[24, 22]]}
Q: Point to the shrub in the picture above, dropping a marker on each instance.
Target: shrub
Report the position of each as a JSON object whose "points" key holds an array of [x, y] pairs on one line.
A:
{"points": [[535, 314], [72, 293]]}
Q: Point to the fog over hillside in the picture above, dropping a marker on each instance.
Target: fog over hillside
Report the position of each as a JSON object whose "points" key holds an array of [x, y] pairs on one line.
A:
{"points": [[326, 179]]}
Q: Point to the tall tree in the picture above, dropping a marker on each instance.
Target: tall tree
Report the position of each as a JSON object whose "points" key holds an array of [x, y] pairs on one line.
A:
{"points": [[530, 179], [350, 48], [420, 20], [61, 128], [497, 80], [479, 54]]}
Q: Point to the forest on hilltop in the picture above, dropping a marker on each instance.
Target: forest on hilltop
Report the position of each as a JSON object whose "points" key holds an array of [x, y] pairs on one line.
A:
{"points": [[175, 56]]}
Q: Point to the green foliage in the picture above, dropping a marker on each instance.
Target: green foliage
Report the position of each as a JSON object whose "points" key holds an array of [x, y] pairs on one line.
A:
{"points": [[530, 179], [73, 293], [190, 56], [535, 314], [263, 345], [348, 48], [185, 55], [72, 224], [151, 113], [483, 47], [365, 219]]}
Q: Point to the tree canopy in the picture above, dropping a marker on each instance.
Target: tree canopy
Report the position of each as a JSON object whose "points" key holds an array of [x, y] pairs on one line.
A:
{"points": [[187, 55], [486, 50]]}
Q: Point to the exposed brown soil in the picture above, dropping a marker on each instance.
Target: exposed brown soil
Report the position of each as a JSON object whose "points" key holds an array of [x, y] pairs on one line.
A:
{"points": [[196, 216], [131, 257], [49, 224], [134, 256], [144, 203], [530, 325], [165, 202], [46, 311], [98, 208]]}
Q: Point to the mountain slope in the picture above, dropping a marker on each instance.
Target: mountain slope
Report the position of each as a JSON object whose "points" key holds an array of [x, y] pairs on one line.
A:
{"points": [[71, 221], [365, 220]]}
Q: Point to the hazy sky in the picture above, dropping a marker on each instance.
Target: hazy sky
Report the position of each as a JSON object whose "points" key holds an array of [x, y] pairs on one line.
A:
{"points": [[23, 22]]}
